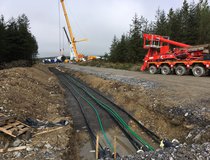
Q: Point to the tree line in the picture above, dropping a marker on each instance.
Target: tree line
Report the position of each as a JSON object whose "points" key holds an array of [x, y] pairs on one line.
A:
{"points": [[189, 24], [16, 40]]}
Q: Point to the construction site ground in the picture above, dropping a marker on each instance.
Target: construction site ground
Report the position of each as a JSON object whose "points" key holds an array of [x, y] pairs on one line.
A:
{"points": [[36, 94], [173, 107]]}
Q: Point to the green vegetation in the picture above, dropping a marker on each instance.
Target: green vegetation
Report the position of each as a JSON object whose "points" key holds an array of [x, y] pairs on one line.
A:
{"points": [[16, 40], [190, 25]]}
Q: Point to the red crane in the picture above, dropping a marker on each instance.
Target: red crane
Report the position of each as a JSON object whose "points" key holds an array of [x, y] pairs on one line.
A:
{"points": [[181, 59]]}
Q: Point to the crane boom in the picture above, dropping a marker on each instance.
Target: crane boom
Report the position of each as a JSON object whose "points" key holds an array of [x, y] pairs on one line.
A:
{"points": [[70, 30], [66, 35]]}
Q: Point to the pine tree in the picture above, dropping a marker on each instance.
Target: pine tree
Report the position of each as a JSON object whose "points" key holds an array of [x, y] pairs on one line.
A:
{"points": [[113, 50], [16, 40], [135, 46], [3, 44], [29, 46], [161, 23], [184, 14], [13, 41], [204, 28], [193, 25], [122, 49]]}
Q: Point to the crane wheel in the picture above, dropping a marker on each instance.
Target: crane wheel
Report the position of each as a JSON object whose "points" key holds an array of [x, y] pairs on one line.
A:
{"points": [[165, 70], [153, 69], [198, 71], [180, 70]]}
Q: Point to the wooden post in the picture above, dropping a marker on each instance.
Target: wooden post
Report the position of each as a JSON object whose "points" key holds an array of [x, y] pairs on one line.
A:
{"points": [[97, 144], [115, 147]]}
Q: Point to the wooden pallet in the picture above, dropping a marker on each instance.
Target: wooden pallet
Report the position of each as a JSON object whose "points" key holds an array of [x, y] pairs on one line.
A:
{"points": [[5, 119], [11, 126]]}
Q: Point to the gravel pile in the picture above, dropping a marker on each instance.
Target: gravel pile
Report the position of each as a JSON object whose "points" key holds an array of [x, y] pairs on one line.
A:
{"points": [[181, 152], [124, 79]]}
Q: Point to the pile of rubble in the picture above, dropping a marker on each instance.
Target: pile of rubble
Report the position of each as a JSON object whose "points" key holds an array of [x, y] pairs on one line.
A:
{"points": [[182, 151], [34, 97]]}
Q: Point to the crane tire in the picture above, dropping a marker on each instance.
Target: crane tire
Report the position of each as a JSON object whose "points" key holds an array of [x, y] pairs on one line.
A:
{"points": [[165, 70], [198, 71], [153, 69], [180, 70]]}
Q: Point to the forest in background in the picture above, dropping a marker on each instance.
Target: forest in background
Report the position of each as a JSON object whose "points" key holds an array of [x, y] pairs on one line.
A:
{"points": [[189, 24], [16, 40]]}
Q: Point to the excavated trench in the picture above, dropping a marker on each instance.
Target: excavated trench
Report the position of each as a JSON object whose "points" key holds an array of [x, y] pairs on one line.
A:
{"points": [[152, 106], [140, 104]]}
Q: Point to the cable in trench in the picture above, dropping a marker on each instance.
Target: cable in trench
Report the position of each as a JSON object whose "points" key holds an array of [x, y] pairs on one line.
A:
{"points": [[98, 117], [115, 114]]}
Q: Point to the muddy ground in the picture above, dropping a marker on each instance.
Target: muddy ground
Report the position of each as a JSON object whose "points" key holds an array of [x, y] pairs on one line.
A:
{"points": [[35, 93], [171, 106]]}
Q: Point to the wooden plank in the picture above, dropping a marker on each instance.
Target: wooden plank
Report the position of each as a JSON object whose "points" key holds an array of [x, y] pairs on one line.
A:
{"points": [[97, 145], [6, 121], [10, 125], [23, 131], [13, 149], [115, 147], [7, 132], [15, 129], [21, 126], [48, 131]]}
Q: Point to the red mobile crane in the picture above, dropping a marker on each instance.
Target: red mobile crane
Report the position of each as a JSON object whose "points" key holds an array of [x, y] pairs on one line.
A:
{"points": [[182, 59]]}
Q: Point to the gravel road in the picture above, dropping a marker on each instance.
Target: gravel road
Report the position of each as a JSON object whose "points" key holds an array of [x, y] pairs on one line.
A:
{"points": [[192, 87]]}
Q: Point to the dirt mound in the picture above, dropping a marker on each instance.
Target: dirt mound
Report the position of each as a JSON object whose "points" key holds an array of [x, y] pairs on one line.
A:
{"points": [[35, 93], [20, 63]]}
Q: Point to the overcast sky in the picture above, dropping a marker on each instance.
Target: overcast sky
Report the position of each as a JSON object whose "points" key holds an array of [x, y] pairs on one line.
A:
{"points": [[97, 20]]}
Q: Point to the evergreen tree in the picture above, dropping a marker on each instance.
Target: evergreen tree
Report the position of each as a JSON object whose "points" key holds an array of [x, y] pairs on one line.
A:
{"points": [[113, 50], [13, 41], [122, 49], [135, 50], [184, 15], [161, 23], [3, 44], [193, 25], [204, 28], [16, 40]]}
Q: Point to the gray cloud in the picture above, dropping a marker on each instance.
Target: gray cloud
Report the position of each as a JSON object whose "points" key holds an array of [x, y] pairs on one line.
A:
{"points": [[97, 20]]}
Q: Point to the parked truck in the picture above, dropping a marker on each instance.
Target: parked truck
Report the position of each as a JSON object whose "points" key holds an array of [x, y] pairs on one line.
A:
{"points": [[166, 56]]}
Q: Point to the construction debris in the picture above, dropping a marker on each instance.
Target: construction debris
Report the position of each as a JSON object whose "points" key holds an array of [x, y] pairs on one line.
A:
{"points": [[47, 131], [33, 92], [11, 126], [13, 149]]}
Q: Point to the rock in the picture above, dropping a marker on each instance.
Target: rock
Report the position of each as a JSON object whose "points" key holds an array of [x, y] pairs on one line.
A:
{"points": [[29, 149], [16, 154], [189, 135], [197, 137], [176, 121], [48, 146], [186, 114], [16, 143], [189, 126]]}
